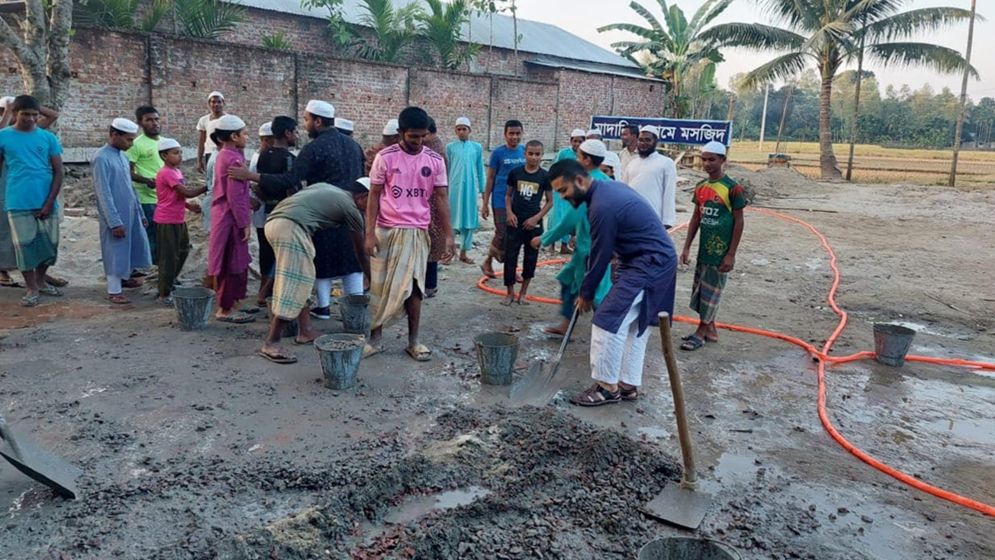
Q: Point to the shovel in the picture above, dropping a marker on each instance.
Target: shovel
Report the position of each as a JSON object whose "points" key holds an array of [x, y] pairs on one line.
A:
{"points": [[38, 463], [682, 504], [534, 385]]}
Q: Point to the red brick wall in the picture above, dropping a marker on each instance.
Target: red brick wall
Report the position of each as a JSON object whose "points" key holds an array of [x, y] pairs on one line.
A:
{"points": [[533, 103], [448, 95]]}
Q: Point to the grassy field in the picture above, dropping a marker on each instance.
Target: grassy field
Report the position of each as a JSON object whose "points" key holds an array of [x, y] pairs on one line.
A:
{"points": [[877, 164]]}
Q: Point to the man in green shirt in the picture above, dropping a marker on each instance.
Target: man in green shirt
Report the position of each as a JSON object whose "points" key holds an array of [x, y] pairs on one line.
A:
{"points": [[145, 163]]}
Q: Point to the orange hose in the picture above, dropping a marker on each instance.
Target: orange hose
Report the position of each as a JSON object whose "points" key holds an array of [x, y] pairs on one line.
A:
{"points": [[823, 358]]}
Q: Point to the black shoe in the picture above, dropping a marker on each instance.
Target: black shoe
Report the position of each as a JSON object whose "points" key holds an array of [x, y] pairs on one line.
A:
{"points": [[322, 313]]}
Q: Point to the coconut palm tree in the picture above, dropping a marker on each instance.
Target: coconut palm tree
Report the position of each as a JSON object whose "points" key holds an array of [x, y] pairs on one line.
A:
{"points": [[674, 48], [829, 34], [442, 25], [393, 29]]}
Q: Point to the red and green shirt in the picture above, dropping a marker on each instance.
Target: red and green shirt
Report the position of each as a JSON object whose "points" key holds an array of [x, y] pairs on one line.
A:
{"points": [[716, 201]]}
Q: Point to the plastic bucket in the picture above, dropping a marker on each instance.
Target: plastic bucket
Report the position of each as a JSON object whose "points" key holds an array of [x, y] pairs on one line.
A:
{"points": [[340, 355], [892, 343], [355, 314], [496, 353], [687, 548], [193, 307]]}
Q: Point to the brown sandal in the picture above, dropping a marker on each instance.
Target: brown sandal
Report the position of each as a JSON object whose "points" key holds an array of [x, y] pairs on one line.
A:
{"points": [[118, 299], [596, 395], [628, 394]]}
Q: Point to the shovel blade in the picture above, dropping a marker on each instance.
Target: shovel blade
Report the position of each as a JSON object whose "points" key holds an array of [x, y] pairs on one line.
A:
{"points": [[43, 467], [679, 506], [528, 387]]}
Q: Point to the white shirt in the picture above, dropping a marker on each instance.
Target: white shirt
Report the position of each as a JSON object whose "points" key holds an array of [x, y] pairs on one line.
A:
{"points": [[207, 124], [626, 156], [655, 178]]}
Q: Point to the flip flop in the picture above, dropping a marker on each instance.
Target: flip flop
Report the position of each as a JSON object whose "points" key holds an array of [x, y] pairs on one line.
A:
{"points": [[419, 353], [29, 301], [370, 350], [237, 318], [50, 291], [278, 358], [692, 343], [251, 310], [118, 299], [56, 281], [299, 343], [487, 274]]}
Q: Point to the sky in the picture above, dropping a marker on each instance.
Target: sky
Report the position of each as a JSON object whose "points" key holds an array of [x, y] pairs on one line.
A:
{"points": [[583, 17]]}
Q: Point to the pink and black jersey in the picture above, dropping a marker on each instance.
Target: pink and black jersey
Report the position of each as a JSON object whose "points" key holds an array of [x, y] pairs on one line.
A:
{"points": [[408, 183]]}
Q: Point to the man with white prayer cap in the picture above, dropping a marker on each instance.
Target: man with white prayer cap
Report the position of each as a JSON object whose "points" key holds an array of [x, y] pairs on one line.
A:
{"points": [[594, 134], [654, 176], [467, 179], [205, 146], [345, 126], [124, 245], [389, 138], [611, 165], [562, 208]]}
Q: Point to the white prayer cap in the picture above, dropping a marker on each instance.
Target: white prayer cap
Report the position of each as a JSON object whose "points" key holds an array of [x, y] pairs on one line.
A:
{"points": [[266, 129], [594, 132], [651, 129], [320, 108], [390, 129], [6, 100], [364, 182], [229, 123], [463, 121], [713, 147], [594, 148], [215, 94], [167, 144], [125, 126], [612, 160], [578, 133], [344, 124]]}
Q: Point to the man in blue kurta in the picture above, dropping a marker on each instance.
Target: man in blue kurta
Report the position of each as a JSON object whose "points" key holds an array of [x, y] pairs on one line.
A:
{"points": [[622, 223], [124, 245], [466, 183]]}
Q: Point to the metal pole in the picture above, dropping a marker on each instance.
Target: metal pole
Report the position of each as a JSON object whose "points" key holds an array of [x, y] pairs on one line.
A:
{"points": [[963, 95]]}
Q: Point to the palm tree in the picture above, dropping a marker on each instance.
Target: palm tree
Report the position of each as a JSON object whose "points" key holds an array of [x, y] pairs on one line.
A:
{"points": [[675, 48], [442, 25], [394, 28], [206, 19], [120, 14], [829, 33]]}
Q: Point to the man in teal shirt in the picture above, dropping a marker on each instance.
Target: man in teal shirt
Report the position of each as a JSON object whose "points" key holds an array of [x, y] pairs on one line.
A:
{"points": [[145, 163]]}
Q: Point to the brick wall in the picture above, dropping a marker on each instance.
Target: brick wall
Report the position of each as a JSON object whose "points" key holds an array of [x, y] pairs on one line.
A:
{"points": [[448, 95], [533, 103]]}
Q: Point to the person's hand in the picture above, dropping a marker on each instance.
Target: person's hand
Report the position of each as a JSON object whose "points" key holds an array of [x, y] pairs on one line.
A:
{"points": [[239, 172], [450, 250], [247, 234], [200, 164], [255, 204], [584, 305], [371, 245], [194, 207], [728, 262], [531, 223], [536, 243], [45, 212], [686, 257], [485, 212], [512, 219], [150, 182], [118, 232]]}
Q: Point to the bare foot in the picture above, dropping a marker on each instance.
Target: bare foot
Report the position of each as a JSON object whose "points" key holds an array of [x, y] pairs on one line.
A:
{"points": [[508, 301]]}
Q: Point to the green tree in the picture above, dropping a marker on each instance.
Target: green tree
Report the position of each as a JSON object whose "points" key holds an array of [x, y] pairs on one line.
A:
{"points": [[829, 34], [393, 29], [442, 25], [40, 45], [120, 14], [674, 48], [339, 31], [206, 19]]}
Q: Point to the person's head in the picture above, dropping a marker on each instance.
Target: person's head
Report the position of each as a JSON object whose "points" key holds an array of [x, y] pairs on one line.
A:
{"points": [[230, 132], [170, 152], [646, 144], [412, 125], [284, 131], [569, 180], [148, 118], [593, 134], [216, 102], [513, 131], [591, 154], [577, 136], [361, 193], [611, 163], [463, 128], [630, 135], [345, 126], [390, 134], [265, 137], [533, 154], [432, 129], [122, 134], [26, 110], [319, 116], [713, 159]]}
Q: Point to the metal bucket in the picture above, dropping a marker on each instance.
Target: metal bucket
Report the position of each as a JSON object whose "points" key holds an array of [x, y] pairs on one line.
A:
{"points": [[340, 355], [892, 343], [496, 353], [193, 307], [355, 314], [687, 548]]}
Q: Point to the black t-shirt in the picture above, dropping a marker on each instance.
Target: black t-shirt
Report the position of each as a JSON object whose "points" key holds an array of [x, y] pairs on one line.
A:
{"points": [[527, 192], [275, 161]]}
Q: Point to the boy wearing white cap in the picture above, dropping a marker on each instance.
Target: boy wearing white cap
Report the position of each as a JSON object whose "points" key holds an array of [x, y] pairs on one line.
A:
{"points": [[170, 216], [124, 245], [718, 213], [389, 138], [466, 183], [31, 158], [654, 176], [205, 146], [561, 207]]}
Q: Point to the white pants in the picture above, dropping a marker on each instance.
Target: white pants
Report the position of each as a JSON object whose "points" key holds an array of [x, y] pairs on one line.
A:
{"points": [[114, 285], [352, 285], [619, 356]]}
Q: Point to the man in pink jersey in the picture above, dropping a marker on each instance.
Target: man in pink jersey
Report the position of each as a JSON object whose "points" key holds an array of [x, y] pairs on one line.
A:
{"points": [[403, 180]]}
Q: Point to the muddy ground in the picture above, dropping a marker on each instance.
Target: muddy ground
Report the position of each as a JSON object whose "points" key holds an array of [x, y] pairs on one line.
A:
{"points": [[193, 447]]}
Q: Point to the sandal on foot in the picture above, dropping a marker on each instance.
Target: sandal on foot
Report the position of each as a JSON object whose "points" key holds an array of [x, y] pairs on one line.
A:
{"points": [[467, 260], [596, 395], [29, 301], [431, 292], [238, 318], [370, 350], [419, 353], [487, 273], [132, 283], [118, 299], [629, 394], [7, 282], [251, 310], [56, 281], [50, 291], [692, 343], [278, 358], [300, 342]]}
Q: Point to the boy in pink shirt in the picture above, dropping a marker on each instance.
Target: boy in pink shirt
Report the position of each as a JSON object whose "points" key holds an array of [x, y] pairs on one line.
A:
{"points": [[403, 180], [170, 217]]}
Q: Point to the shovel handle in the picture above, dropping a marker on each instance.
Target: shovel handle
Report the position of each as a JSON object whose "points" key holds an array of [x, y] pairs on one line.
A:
{"points": [[9, 437], [690, 479]]}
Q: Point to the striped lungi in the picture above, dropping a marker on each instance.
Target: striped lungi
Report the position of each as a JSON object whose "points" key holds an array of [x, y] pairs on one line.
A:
{"points": [[36, 242], [294, 269], [707, 291], [399, 265]]}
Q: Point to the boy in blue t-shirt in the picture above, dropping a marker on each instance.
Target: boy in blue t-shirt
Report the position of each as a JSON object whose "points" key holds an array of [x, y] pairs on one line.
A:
{"points": [[503, 160], [32, 161]]}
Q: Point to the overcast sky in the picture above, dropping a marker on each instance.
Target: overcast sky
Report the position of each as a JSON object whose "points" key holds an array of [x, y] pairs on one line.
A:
{"points": [[583, 17]]}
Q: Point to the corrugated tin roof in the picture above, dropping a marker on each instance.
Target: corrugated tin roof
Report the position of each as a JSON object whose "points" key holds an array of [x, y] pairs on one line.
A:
{"points": [[536, 37], [584, 66]]}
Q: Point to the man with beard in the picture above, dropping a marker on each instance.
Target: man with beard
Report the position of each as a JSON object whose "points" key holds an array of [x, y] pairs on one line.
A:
{"points": [[654, 176], [622, 223], [145, 164]]}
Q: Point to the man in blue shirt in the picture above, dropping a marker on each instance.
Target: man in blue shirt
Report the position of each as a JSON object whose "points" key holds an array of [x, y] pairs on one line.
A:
{"points": [[32, 160], [503, 160], [622, 223]]}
